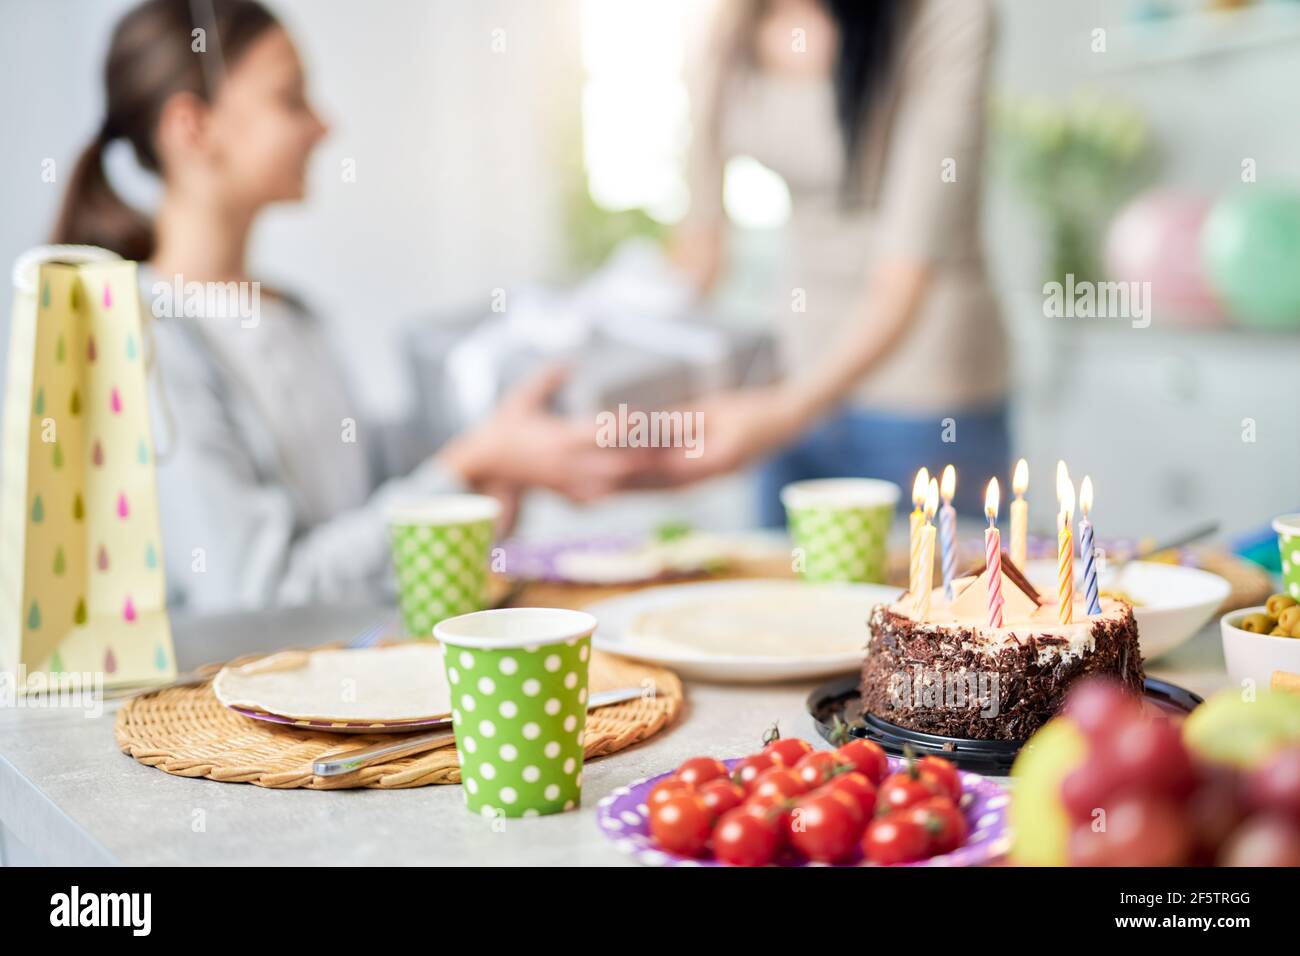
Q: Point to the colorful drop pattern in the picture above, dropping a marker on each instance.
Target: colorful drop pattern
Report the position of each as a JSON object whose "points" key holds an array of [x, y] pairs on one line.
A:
{"points": [[97, 560]]}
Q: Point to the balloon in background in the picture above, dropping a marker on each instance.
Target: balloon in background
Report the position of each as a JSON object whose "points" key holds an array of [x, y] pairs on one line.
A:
{"points": [[1156, 238], [1251, 248]]}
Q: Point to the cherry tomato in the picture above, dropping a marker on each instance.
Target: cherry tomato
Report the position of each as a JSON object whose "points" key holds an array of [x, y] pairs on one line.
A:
{"points": [[720, 795], [787, 751], [681, 824], [941, 775], [867, 757], [773, 808], [856, 785], [815, 769], [826, 827], [779, 781], [901, 790], [742, 838], [664, 789], [943, 823], [749, 769], [895, 839], [700, 770]]}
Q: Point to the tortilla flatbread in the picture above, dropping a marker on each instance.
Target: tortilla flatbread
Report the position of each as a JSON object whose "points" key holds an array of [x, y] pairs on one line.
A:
{"points": [[793, 620], [406, 682]]}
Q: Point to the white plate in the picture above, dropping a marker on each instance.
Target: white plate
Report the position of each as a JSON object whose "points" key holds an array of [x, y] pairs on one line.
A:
{"points": [[616, 615], [1174, 602]]}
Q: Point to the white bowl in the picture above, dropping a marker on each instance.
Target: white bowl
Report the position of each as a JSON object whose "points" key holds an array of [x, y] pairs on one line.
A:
{"points": [[1171, 602], [1255, 657]]}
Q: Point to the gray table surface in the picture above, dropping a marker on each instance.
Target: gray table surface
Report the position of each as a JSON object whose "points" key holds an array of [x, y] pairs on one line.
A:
{"points": [[69, 796]]}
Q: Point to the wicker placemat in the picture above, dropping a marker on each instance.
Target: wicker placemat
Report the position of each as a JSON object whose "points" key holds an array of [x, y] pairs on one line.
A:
{"points": [[186, 731]]}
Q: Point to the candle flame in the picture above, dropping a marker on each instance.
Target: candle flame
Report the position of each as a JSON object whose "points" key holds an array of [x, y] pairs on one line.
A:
{"points": [[949, 486], [919, 488], [931, 499], [1085, 495], [1020, 480], [1067, 500], [991, 500], [1062, 479]]}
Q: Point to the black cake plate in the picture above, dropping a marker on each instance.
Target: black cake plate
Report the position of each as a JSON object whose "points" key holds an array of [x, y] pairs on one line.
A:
{"points": [[839, 698]]}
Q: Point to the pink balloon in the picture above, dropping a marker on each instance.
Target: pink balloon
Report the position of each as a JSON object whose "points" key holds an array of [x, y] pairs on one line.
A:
{"points": [[1156, 239]]}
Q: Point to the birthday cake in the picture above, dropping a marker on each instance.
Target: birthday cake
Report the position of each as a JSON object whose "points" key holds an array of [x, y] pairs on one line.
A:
{"points": [[942, 669]]}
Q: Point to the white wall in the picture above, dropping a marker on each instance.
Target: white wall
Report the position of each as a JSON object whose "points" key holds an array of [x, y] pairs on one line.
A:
{"points": [[455, 193]]}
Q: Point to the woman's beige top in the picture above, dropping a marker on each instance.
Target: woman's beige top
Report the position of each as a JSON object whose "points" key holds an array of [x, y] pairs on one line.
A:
{"points": [[921, 169]]}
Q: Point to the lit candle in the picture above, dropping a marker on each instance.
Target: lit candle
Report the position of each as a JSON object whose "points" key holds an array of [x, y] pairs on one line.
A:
{"points": [[917, 518], [1062, 479], [925, 578], [948, 529], [1020, 515], [1090, 593], [993, 554], [1065, 549]]}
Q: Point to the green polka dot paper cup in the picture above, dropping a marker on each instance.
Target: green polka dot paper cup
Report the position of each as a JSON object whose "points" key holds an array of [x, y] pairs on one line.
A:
{"points": [[518, 679], [441, 549], [1288, 543], [841, 526]]}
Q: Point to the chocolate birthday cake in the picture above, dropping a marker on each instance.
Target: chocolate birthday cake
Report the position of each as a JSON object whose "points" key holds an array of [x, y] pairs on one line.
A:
{"points": [[948, 672]]}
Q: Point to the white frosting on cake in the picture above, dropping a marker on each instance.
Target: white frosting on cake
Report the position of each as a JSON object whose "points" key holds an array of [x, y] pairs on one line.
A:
{"points": [[1042, 622]]}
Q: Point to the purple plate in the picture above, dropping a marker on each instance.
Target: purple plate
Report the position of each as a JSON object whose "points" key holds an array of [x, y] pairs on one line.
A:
{"points": [[346, 726], [622, 816], [537, 560]]}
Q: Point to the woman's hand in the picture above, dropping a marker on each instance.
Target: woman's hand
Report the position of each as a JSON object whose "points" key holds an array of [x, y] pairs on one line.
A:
{"points": [[524, 445]]}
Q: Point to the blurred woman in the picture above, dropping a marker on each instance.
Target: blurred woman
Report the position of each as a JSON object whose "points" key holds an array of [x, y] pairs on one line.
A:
{"points": [[873, 113], [267, 481]]}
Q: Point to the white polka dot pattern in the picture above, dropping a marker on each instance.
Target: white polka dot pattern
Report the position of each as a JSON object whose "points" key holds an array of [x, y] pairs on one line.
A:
{"points": [[519, 726]]}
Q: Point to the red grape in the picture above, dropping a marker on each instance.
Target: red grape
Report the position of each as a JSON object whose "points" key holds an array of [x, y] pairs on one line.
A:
{"points": [[1275, 783], [1140, 830], [1098, 705], [1266, 839], [1149, 756]]}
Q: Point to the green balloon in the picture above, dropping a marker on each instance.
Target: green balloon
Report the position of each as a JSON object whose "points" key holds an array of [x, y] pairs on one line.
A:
{"points": [[1251, 248]]}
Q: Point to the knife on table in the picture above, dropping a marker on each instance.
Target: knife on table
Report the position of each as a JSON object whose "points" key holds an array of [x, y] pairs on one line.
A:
{"points": [[405, 746]]}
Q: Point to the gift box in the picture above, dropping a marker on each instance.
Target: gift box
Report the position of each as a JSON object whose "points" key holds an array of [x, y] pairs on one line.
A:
{"points": [[630, 334]]}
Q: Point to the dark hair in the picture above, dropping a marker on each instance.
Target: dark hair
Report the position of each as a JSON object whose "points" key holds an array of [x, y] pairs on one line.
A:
{"points": [[155, 52], [867, 33]]}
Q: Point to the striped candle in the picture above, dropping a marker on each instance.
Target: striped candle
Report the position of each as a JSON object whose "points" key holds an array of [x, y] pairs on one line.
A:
{"points": [[925, 573], [993, 555], [1065, 555], [948, 530], [1088, 549]]}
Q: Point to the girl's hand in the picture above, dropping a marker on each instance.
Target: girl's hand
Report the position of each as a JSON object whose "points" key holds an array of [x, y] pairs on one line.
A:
{"points": [[525, 445]]}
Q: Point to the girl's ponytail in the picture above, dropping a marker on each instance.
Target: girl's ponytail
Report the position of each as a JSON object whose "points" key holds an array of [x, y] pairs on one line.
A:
{"points": [[93, 214]]}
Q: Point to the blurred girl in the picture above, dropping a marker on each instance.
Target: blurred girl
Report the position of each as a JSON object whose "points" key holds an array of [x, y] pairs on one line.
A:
{"points": [[266, 495]]}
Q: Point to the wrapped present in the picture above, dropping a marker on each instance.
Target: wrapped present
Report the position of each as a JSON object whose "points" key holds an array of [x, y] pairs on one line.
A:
{"points": [[630, 334]]}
